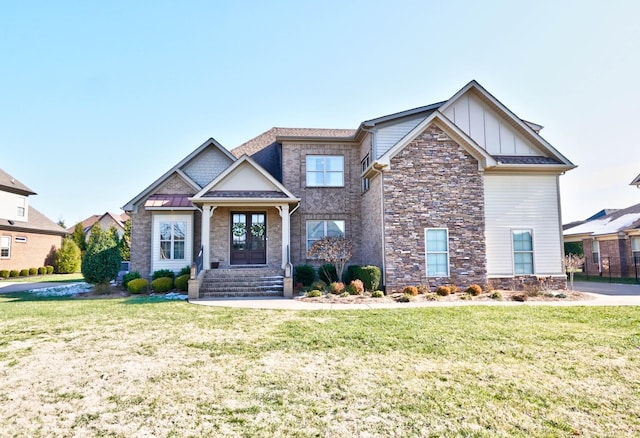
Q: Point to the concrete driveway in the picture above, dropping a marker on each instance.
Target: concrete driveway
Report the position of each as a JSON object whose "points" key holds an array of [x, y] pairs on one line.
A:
{"points": [[610, 289], [9, 287]]}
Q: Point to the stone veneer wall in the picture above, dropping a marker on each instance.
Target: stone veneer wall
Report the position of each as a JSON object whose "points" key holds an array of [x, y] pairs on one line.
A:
{"points": [[371, 231], [141, 221], [433, 183], [322, 203]]}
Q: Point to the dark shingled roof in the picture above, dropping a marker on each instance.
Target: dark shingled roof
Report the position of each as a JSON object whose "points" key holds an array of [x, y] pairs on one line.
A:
{"points": [[522, 159], [245, 194], [167, 201], [38, 223], [10, 184]]}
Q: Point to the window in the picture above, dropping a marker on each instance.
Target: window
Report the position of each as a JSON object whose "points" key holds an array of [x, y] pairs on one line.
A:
{"points": [[364, 164], [21, 239], [437, 251], [522, 251], [21, 206], [172, 240], [325, 171], [595, 252], [316, 230], [635, 249], [5, 247]]}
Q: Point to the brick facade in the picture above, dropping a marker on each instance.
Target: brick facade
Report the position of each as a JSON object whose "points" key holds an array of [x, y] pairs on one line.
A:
{"points": [[36, 252], [433, 183], [615, 259]]}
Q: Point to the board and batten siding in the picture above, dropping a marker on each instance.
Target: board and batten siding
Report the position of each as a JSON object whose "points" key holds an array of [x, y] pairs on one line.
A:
{"points": [[175, 265], [487, 128], [527, 202], [388, 135]]}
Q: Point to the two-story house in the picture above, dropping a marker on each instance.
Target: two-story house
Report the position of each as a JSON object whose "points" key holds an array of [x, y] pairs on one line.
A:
{"points": [[461, 191], [27, 237]]}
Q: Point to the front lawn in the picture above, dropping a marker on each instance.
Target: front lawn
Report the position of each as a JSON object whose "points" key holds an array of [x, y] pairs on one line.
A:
{"points": [[142, 366]]}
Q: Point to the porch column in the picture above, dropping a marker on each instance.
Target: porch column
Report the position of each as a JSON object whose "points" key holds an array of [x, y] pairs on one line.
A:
{"points": [[286, 233], [205, 237]]}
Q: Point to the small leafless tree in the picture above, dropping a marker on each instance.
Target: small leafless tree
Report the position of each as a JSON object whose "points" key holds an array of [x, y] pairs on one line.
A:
{"points": [[572, 263], [336, 250]]}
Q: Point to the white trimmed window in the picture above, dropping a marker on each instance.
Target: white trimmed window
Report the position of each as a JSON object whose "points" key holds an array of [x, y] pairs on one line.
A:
{"points": [[364, 165], [172, 240], [635, 248], [325, 171], [21, 206], [436, 242], [317, 229], [5, 247], [522, 251], [595, 252]]}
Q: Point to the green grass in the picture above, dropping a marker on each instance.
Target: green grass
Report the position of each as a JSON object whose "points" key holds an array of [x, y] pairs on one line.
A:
{"points": [[597, 279], [52, 278], [144, 366]]}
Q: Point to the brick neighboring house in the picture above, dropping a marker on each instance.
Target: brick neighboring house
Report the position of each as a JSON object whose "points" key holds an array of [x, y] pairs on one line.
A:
{"points": [[27, 237], [461, 191], [106, 221]]}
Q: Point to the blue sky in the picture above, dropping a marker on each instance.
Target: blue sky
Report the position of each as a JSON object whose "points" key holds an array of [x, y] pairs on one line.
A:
{"points": [[97, 100]]}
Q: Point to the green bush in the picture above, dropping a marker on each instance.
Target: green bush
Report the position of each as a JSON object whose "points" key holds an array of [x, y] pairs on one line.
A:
{"points": [[13, 273], [319, 285], [164, 284], [410, 290], [336, 288], [430, 296], [126, 278], [345, 294], [185, 271], [496, 295], [304, 274], [474, 290], [377, 294], [42, 270], [314, 293], [350, 273], [49, 269], [4, 274], [137, 286], [370, 276], [355, 287], [405, 298], [163, 273], [24, 272], [182, 282], [33, 271], [101, 261], [67, 258], [443, 291], [327, 273]]}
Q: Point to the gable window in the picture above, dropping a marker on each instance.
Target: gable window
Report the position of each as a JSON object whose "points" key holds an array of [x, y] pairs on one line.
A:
{"points": [[317, 229], [325, 171], [595, 252], [5, 247], [172, 240], [635, 249], [364, 165], [437, 251], [522, 251], [21, 206]]}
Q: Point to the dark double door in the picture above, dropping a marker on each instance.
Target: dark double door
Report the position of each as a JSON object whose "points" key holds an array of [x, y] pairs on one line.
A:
{"points": [[248, 238]]}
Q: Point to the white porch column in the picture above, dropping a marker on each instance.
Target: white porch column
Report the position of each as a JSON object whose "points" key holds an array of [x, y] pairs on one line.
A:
{"points": [[206, 235], [286, 233]]}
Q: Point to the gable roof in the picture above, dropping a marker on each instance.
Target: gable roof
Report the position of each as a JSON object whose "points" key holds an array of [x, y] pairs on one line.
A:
{"points": [[10, 184], [89, 222], [264, 188], [636, 181], [37, 223], [619, 221], [129, 206]]}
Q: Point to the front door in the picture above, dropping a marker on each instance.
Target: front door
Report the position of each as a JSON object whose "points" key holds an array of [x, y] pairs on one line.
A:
{"points": [[248, 238]]}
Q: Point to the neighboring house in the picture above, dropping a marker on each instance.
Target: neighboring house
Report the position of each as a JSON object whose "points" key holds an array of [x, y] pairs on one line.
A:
{"points": [[27, 237], [636, 181], [461, 191], [105, 221]]}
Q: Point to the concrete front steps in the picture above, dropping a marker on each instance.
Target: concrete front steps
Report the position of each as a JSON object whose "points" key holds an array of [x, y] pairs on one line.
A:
{"points": [[242, 282]]}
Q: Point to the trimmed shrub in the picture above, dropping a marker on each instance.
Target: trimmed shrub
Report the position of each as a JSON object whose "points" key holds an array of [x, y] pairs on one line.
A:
{"points": [[443, 291], [314, 293], [4, 273], [48, 269], [423, 289], [304, 274], [377, 294], [163, 284], [327, 273], [345, 294], [137, 286], [24, 272], [454, 289], [474, 290], [519, 297], [163, 273], [182, 282], [13, 273], [336, 288], [410, 290], [319, 285], [430, 296], [33, 271], [126, 278], [405, 298], [350, 274], [356, 287], [102, 289], [42, 270], [185, 271], [67, 258], [496, 295], [370, 276]]}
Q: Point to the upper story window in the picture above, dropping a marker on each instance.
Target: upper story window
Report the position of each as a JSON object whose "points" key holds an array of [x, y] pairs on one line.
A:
{"points": [[364, 165], [437, 251], [325, 171], [522, 251], [5, 247], [21, 206]]}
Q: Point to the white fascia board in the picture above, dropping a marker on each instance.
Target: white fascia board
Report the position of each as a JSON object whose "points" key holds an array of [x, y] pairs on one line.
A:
{"points": [[245, 202]]}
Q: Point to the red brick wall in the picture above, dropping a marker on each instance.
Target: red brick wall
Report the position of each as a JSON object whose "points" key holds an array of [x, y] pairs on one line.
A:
{"points": [[33, 253]]}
